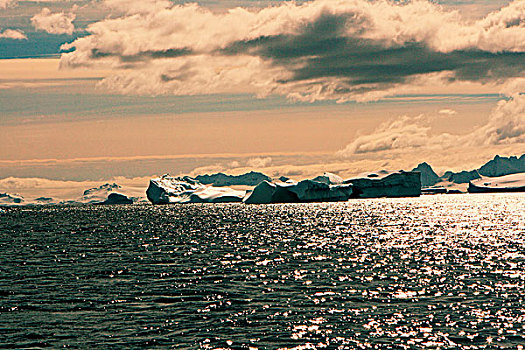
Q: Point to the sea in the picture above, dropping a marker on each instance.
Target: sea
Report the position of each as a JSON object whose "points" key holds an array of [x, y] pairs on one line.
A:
{"points": [[434, 272]]}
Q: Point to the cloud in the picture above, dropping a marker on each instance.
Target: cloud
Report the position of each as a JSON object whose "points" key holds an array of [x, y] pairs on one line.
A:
{"points": [[323, 49], [7, 3], [137, 7], [14, 34], [506, 126], [448, 112], [259, 162], [402, 133], [54, 23]]}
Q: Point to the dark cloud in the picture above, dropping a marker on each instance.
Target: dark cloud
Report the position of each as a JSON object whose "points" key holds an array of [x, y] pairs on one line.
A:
{"points": [[142, 56], [356, 50], [324, 50]]}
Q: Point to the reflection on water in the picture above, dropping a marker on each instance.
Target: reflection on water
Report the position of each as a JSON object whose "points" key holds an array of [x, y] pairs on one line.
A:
{"points": [[441, 272]]}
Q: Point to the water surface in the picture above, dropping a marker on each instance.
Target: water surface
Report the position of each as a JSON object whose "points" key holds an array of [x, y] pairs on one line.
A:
{"points": [[443, 272]]}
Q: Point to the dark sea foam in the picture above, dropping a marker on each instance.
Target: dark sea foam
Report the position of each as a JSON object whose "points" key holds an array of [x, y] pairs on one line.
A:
{"points": [[443, 272]]}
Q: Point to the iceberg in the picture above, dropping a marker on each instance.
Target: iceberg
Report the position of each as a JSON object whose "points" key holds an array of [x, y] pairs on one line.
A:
{"points": [[8, 199], [507, 183], [329, 179], [98, 194], [326, 188], [249, 179], [117, 198], [45, 200], [399, 184], [434, 190], [105, 194], [167, 189], [302, 192]]}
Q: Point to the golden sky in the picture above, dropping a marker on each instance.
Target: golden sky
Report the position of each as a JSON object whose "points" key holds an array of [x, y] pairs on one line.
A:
{"points": [[360, 83]]}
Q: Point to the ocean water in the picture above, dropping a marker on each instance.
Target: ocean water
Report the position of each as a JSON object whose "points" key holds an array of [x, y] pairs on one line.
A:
{"points": [[437, 272]]}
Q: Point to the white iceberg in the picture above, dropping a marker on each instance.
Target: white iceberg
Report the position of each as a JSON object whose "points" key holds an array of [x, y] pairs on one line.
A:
{"points": [[167, 189], [106, 194], [329, 179], [507, 183]]}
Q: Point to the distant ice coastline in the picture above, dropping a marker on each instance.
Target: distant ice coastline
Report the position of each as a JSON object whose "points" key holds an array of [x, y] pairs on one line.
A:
{"points": [[501, 174]]}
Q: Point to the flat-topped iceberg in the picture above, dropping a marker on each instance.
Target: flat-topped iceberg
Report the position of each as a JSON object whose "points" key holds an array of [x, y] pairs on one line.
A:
{"points": [[384, 184], [507, 183], [168, 189]]}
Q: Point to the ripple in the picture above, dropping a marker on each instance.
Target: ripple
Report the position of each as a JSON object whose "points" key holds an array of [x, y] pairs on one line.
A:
{"points": [[430, 272]]}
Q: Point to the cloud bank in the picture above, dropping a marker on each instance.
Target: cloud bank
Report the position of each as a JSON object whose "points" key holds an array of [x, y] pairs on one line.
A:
{"points": [[323, 49], [54, 23], [506, 126]]}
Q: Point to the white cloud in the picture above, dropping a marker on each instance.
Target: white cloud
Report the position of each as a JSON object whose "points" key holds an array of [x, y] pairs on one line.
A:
{"points": [[259, 162], [323, 49], [448, 112], [14, 34], [54, 23], [506, 126], [134, 6], [401, 133]]}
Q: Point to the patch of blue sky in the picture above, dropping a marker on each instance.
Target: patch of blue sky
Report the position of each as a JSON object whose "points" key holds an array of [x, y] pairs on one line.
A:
{"points": [[38, 44]]}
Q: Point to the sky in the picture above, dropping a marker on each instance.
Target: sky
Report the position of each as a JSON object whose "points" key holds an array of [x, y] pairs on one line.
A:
{"points": [[128, 89]]}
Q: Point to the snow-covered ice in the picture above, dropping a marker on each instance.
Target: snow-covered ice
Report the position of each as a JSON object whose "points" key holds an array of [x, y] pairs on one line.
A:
{"points": [[168, 189], [507, 183]]}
